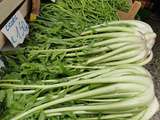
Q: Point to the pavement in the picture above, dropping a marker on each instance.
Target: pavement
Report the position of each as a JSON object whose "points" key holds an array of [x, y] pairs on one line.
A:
{"points": [[154, 65]]}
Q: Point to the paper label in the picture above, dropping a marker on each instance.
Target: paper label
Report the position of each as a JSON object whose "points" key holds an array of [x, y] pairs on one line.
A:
{"points": [[16, 29]]}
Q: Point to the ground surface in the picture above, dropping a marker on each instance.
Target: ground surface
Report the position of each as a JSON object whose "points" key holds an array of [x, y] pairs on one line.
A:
{"points": [[154, 65]]}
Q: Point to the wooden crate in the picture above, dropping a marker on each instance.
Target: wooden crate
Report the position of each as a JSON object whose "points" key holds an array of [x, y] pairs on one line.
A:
{"points": [[130, 15], [8, 8]]}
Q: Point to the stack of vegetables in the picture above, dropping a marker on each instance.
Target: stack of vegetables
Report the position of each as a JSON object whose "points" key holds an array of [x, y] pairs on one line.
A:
{"points": [[120, 93], [79, 66], [109, 44], [60, 20]]}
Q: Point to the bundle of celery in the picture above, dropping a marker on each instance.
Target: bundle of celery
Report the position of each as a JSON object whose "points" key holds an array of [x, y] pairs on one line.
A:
{"points": [[110, 44], [113, 43], [119, 93]]}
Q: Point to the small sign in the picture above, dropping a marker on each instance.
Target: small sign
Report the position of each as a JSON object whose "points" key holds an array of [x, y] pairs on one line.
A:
{"points": [[16, 29]]}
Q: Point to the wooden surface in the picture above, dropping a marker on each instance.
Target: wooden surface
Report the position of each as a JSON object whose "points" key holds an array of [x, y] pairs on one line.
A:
{"points": [[130, 15], [36, 7], [2, 38], [7, 6]]}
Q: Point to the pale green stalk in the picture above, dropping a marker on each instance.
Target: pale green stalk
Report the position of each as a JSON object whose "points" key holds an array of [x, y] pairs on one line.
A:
{"points": [[139, 101], [103, 90], [115, 52], [109, 29]]}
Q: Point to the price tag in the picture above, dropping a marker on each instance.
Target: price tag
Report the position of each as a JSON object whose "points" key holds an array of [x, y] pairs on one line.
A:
{"points": [[16, 29]]}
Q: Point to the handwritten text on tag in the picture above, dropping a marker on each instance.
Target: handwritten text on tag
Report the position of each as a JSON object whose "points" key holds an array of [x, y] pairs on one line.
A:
{"points": [[16, 29]]}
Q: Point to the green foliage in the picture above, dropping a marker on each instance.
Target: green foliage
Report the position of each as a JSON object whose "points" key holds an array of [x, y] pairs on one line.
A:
{"points": [[63, 19]]}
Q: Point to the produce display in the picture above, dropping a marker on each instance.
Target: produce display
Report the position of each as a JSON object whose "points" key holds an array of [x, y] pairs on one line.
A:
{"points": [[121, 92], [80, 63], [61, 20], [108, 44]]}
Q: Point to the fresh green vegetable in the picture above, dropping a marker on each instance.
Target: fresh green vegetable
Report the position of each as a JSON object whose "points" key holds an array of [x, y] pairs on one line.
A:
{"points": [[70, 68], [112, 44], [108, 44], [60, 20], [68, 18], [110, 93]]}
